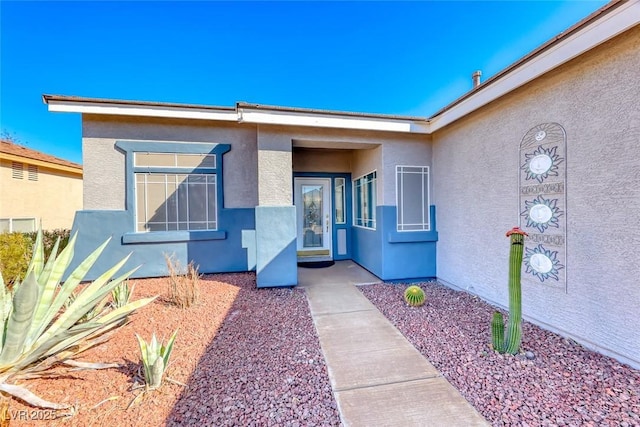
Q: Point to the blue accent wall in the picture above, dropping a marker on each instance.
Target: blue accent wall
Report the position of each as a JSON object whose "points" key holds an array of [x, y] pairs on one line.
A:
{"points": [[394, 255], [214, 253], [276, 257]]}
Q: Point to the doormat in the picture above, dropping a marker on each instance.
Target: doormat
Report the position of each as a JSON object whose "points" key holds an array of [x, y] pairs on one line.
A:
{"points": [[316, 264]]}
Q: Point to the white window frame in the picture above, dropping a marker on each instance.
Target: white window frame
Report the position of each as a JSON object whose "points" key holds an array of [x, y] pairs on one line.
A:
{"points": [[400, 197], [211, 181], [11, 226], [358, 209], [207, 218]]}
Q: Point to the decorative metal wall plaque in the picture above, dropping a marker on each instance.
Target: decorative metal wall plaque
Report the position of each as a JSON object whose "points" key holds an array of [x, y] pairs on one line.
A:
{"points": [[543, 204]]}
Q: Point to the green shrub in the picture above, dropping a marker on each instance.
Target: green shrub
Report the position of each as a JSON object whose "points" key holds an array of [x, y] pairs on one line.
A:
{"points": [[49, 238], [414, 296], [16, 250], [15, 253]]}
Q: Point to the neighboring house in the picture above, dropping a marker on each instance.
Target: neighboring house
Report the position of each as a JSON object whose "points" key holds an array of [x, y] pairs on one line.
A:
{"points": [[37, 190], [551, 143]]}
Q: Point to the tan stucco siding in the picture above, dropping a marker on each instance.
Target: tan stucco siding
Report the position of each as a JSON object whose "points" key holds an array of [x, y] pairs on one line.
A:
{"points": [[104, 165], [596, 99], [275, 160], [367, 161], [322, 160], [52, 199]]}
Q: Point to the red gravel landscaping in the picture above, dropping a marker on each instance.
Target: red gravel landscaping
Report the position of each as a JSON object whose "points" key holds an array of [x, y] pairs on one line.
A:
{"points": [[251, 357], [565, 385], [247, 356]]}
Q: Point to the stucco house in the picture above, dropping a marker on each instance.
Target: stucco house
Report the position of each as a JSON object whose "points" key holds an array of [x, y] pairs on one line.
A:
{"points": [[37, 189], [550, 143]]}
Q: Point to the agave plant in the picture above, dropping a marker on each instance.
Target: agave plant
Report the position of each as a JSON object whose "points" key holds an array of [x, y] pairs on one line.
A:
{"points": [[121, 294], [155, 359], [38, 333]]}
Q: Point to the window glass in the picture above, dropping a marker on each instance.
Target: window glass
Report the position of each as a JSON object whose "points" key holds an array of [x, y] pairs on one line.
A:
{"points": [[340, 200], [166, 202], [412, 189], [364, 189], [172, 160], [23, 225]]}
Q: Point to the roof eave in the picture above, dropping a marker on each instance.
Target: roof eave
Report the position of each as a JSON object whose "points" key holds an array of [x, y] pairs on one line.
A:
{"points": [[242, 113]]}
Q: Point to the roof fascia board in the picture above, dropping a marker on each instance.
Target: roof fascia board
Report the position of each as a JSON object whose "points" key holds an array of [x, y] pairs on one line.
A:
{"points": [[616, 22], [248, 115], [49, 165], [135, 110], [242, 115]]}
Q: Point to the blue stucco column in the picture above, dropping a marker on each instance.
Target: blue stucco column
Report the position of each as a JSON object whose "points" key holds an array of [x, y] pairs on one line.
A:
{"points": [[276, 257]]}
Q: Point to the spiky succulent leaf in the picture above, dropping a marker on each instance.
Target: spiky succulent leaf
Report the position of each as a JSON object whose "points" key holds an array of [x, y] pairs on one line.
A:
{"points": [[6, 305], [157, 369], [25, 395], [73, 281], [37, 260], [79, 307], [144, 355], [48, 267], [19, 322], [166, 350], [59, 264]]}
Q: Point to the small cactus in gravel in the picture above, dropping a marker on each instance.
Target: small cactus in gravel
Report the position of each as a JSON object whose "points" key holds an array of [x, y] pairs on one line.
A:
{"points": [[511, 342], [414, 296]]}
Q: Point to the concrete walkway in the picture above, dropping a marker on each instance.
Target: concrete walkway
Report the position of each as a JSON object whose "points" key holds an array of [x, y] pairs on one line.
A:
{"points": [[378, 377]]}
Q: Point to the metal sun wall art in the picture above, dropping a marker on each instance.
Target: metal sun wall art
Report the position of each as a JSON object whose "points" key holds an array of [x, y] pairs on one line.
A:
{"points": [[543, 204]]}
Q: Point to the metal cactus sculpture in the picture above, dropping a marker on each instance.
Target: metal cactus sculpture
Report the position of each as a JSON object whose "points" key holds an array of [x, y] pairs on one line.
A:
{"points": [[511, 342]]}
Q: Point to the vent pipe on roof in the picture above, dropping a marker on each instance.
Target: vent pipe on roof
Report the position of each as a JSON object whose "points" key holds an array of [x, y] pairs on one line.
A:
{"points": [[476, 78]]}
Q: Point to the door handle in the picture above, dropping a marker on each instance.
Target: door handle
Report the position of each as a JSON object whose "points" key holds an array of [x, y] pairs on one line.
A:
{"points": [[327, 222]]}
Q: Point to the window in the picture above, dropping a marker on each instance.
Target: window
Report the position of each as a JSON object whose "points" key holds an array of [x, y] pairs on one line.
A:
{"points": [[364, 201], [16, 170], [340, 202], [412, 190], [33, 172], [22, 225], [168, 200], [176, 160]]}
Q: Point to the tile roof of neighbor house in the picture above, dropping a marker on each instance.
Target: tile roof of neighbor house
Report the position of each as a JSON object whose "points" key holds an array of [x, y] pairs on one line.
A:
{"points": [[8, 147]]}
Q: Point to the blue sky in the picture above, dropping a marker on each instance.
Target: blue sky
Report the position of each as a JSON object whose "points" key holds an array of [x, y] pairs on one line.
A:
{"points": [[381, 57]]}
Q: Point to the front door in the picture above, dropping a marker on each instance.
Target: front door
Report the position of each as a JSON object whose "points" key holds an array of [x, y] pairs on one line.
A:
{"points": [[312, 198]]}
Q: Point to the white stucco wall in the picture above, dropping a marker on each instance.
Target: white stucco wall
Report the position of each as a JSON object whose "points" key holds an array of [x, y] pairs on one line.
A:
{"points": [[596, 98], [104, 165], [409, 152]]}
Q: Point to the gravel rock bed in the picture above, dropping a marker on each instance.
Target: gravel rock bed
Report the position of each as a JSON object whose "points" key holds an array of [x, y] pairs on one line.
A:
{"points": [[264, 368], [249, 357], [564, 385]]}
